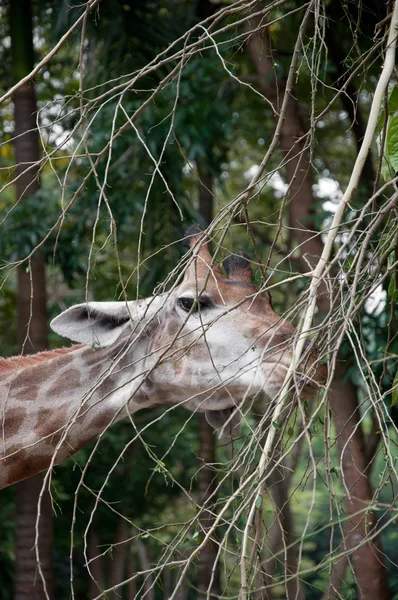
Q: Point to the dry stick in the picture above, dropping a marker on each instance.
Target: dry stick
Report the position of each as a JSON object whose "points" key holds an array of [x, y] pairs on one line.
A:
{"points": [[82, 20], [194, 47], [302, 573], [232, 205], [89, 7], [348, 317], [244, 199], [157, 169], [120, 456], [318, 271]]}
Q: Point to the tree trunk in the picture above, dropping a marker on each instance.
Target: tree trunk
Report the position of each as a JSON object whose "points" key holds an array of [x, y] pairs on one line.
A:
{"points": [[370, 574], [32, 315], [119, 556], [370, 571], [285, 525], [208, 583], [131, 571], [28, 583], [281, 533]]}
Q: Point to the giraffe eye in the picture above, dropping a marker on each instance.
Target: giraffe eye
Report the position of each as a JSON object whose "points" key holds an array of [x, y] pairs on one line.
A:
{"points": [[186, 303], [193, 304]]}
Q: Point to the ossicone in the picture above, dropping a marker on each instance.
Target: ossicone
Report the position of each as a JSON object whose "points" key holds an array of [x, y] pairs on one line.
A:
{"points": [[198, 242], [238, 267], [193, 234]]}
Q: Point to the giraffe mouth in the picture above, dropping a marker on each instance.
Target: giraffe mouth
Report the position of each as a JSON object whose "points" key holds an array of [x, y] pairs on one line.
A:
{"points": [[308, 379]]}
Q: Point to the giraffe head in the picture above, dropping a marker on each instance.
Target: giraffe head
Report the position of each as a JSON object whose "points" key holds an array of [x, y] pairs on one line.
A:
{"points": [[209, 345]]}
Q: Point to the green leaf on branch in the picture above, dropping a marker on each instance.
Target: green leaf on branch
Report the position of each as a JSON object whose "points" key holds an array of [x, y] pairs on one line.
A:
{"points": [[392, 141], [390, 150], [392, 288], [394, 391], [392, 107], [335, 471], [196, 536]]}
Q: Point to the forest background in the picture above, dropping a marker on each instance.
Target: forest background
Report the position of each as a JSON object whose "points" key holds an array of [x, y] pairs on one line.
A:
{"points": [[249, 115]]}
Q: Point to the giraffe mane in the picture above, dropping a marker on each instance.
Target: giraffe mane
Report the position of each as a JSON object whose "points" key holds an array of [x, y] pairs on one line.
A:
{"points": [[19, 363]]}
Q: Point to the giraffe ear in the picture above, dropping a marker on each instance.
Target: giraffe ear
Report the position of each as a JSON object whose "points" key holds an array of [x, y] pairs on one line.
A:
{"points": [[93, 323], [102, 323]]}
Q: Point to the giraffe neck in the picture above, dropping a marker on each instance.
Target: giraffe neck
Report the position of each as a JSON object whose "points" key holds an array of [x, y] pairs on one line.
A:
{"points": [[17, 363], [56, 404]]}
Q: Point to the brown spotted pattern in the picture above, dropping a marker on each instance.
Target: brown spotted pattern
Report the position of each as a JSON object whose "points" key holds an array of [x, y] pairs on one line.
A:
{"points": [[230, 345]]}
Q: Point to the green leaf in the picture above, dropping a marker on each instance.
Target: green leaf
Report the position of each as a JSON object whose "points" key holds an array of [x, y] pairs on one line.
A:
{"points": [[392, 141], [390, 150], [335, 471], [393, 100], [394, 391], [259, 502], [392, 107], [392, 287]]}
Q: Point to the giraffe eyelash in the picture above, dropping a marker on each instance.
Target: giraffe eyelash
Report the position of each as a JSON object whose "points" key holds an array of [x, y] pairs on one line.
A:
{"points": [[192, 304]]}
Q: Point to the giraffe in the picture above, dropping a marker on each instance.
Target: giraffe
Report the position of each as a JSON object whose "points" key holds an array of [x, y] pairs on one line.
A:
{"points": [[208, 345]]}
